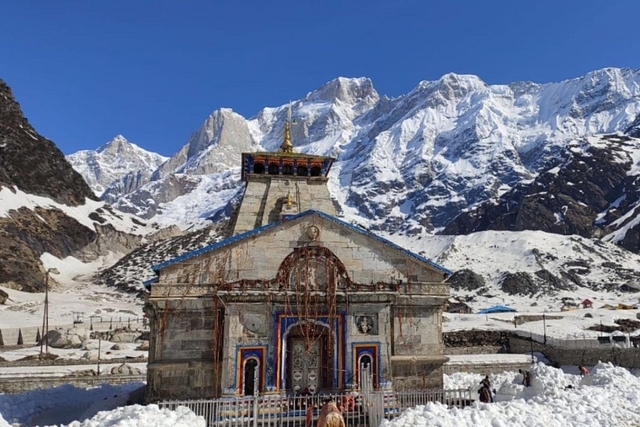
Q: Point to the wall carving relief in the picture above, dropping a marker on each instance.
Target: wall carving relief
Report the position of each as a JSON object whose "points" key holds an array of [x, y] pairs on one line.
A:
{"points": [[367, 324], [252, 325]]}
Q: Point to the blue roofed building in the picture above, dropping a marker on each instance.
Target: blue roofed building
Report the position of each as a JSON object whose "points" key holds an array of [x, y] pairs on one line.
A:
{"points": [[295, 301]]}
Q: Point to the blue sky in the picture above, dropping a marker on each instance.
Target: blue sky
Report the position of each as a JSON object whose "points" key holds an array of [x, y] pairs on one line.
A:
{"points": [[152, 70]]}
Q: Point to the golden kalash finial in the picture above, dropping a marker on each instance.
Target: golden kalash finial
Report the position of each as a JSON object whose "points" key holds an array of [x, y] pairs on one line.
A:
{"points": [[287, 146], [289, 200]]}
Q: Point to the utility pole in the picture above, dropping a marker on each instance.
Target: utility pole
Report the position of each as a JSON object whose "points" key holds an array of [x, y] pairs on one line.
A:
{"points": [[99, 344], [45, 316]]}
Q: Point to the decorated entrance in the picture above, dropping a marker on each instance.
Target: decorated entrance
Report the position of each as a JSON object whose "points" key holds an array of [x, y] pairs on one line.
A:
{"points": [[310, 353], [309, 359]]}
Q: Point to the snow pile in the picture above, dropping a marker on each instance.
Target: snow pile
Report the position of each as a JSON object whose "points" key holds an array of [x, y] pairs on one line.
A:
{"points": [[609, 396], [144, 416]]}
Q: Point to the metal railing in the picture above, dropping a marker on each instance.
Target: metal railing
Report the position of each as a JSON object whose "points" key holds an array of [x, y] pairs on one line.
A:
{"points": [[357, 409]]}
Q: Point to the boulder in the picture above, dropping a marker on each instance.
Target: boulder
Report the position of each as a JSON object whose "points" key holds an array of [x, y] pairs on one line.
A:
{"points": [[91, 345], [125, 369], [124, 336], [69, 338], [3, 296], [90, 355], [466, 279]]}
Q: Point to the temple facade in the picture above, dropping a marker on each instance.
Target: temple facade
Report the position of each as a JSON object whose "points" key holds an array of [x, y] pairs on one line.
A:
{"points": [[295, 300]]}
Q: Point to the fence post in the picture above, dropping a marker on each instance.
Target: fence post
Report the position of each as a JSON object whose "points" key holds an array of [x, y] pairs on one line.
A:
{"points": [[256, 393]]}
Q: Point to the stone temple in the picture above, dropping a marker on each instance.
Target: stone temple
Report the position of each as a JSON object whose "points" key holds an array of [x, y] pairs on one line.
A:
{"points": [[295, 300]]}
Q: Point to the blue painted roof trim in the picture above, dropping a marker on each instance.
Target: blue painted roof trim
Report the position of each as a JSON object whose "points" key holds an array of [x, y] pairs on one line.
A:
{"points": [[260, 230], [147, 283]]}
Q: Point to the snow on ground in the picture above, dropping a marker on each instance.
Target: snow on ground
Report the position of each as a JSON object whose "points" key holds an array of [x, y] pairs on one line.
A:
{"points": [[12, 199], [608, 396], [71, 294]]}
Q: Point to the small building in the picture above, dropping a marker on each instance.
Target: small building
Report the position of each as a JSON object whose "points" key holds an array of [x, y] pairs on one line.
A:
{"points": [[294, 300], [458, 307], [587, 303]]}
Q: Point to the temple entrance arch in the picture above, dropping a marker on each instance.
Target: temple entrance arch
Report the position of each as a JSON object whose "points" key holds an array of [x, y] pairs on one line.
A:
{"points": [[319, 341]]}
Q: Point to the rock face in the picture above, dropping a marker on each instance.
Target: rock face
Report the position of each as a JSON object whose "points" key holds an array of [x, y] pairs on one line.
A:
{"points": [[466, 279], [49, 207], [134, 268], [215, 147], [26, 234], [591, 190], [34, 165], [31, 162], [518, 284]]}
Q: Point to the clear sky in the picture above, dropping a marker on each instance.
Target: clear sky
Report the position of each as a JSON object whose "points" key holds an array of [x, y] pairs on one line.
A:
{"points": [[153, 70]]}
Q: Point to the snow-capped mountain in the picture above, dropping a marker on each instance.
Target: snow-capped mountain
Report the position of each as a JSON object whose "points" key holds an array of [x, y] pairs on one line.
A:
{"points": [[409, 164], [119, 164]]}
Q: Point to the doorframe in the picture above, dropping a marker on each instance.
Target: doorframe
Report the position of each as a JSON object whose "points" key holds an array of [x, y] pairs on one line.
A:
{"points": [[371, 349], [244, 353]]}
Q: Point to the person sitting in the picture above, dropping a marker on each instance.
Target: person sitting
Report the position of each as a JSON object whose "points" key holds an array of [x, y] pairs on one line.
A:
{"points": [[583, 370]]}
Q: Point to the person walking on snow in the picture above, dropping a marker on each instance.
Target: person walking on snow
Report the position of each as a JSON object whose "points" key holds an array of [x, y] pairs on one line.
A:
{"points": [[485, 391], [583, 370], [526, 377]]}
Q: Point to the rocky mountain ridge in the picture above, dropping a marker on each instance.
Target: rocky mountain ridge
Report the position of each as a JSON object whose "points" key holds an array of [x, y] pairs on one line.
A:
{"points": [[593, 191], [46, 207]]}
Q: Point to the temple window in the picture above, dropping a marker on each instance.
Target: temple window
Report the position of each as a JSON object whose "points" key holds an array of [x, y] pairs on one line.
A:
{"points": [[287, 169], [274, 169], [302, 170], [316, 170], [258, 168]]}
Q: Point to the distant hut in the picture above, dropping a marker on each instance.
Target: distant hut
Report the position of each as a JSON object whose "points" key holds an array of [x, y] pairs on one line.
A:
{"points": [[587, 303], [458, 307]]}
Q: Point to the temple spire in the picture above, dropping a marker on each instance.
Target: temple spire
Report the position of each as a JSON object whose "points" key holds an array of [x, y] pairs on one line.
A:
{"points": [[287, 146]]}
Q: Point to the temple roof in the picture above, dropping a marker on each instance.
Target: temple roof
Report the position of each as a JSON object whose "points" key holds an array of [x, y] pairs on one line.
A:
{"points": [[263, 229]]}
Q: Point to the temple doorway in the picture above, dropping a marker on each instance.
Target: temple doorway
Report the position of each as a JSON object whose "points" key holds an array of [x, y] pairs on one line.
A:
{"points": [[250, 383], [309, 359]]}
